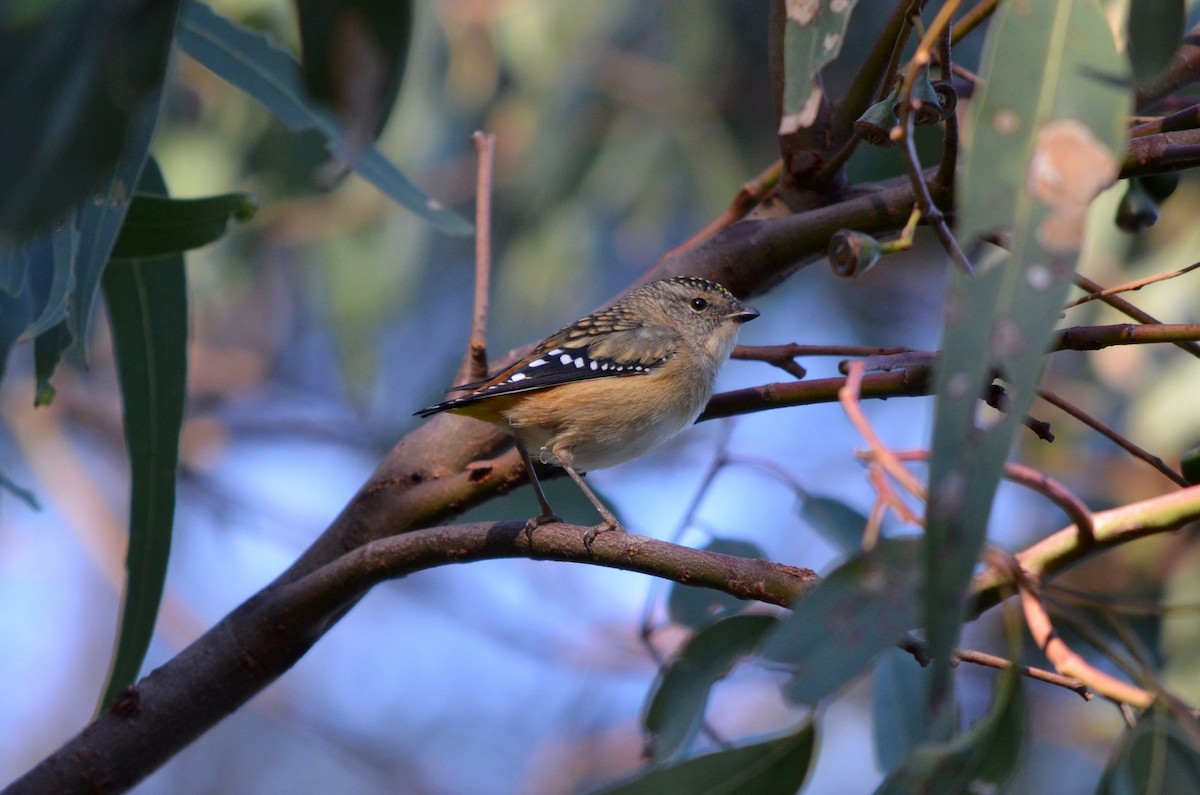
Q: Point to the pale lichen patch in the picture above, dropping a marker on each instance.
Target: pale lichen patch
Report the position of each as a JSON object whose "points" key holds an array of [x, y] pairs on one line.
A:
{"points": [[791, 122], [803, 12], [1069, 168]]}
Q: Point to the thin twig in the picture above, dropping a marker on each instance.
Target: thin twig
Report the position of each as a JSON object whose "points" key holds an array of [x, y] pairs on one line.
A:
{"points": [[747, 198], [1123, 306], [1075, 509], [1093, 338], [1134, 285], [1186, 119], [973, 19], [769, 353], [848, 396], [477, 359], [1064, 660], [946, 169], [912, 162], [1109, 433], [1040, 674]]}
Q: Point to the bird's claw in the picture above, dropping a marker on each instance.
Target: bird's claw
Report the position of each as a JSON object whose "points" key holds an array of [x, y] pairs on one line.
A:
{"points": [[607, 526], [538, 521]]}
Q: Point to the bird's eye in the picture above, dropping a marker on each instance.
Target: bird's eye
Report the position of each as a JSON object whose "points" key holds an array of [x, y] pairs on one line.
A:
{"points": [[699, 304]]}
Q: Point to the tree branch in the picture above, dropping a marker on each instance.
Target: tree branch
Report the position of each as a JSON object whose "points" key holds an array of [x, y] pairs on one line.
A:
{"points": [[260, 640]]}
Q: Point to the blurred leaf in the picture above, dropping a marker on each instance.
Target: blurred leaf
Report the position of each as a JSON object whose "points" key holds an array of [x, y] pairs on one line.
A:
{"points": [[158, 225], [862, 608], [271, 76], [64, 242], [1047, 125], [13, 267], [679, 699], [1155, 30], [23, 494], [836, 521], [812, 38], [354, 53], [981, 759], [147, 309], [897, 707], [1189, 465], [15, 314], [1155, 757], [698, 607], [70, 86], [99, 221], [777, 766]]}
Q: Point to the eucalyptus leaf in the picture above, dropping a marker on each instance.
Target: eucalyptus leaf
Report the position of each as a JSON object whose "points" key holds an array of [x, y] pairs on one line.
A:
{"points": [[776, 766], [678, 701], [271, 77]]}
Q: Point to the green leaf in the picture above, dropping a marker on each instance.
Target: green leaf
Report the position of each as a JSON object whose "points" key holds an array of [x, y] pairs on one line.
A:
{"points": [[147, 309], [982, 759], [836, 521], [863, 607], [698, 607], [271, 77], [70, 85], [374, 36], [1047, 124], [15, 314], [812, 38], [898, 707], [1155, 757], [777, 766], [678, 700], [1155, 30], [159, 225]]}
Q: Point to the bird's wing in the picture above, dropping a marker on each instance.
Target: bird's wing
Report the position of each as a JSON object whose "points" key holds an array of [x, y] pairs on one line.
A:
{"points": [[602, 345]]}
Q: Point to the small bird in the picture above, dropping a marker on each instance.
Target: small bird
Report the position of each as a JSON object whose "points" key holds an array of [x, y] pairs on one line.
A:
{"points": [[611, 386]]}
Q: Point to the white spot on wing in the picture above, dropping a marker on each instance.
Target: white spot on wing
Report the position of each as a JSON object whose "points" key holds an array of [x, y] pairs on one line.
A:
{"points": [[565, 358], [578, 361], [595, 366], [538, 362], [518, 377]]}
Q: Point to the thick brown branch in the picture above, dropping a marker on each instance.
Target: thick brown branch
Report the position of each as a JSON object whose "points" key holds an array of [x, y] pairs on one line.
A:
{"points": [[260, 640]]}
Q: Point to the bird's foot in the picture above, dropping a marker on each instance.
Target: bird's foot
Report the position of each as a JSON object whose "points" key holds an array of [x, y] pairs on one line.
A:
{"points": [[538, 521], [609, 525]]}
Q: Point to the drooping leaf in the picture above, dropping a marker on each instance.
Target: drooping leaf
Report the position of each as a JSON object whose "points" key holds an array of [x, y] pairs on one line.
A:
{"points": [[72, 79], [1155, 30], [836, 521], [777, 766], [898, 707], [698, 607], [678, 700], [147, 309], [13, 268], [158, 225], [354, 52], [60, 259], [812, 37], [863, 607], [981, 759], [1155, 757], [1047, 127], [271, 76]]}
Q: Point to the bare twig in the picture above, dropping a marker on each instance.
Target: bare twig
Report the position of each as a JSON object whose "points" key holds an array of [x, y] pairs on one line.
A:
{"points": [[477, 359], [1134, 285], [848, 396], [1123, 306], [1093, 338], [1109, 433], [747, 198], [912, 162], [1064, 660], [973, 19], [1039, 674], [1186, 119]]}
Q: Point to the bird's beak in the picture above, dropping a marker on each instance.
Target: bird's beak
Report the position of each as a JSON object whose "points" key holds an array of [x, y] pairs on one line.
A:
{"points": [[743, 315]]}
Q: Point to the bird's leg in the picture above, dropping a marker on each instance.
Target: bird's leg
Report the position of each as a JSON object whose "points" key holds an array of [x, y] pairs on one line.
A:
{"points": [[610, 522], [547, 516]]}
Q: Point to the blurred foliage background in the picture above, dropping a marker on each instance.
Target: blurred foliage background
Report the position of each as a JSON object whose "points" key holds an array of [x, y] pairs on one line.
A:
{"points": [[320, 327]]}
